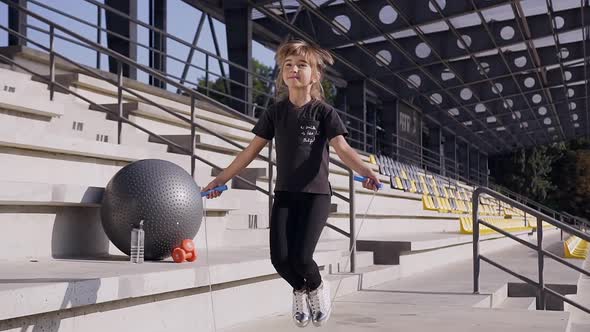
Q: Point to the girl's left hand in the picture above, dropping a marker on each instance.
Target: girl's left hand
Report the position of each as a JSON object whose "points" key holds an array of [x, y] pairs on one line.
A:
{"points": [[372, 182]]}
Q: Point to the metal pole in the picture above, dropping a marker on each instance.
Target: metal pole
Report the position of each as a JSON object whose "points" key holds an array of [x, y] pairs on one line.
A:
{"points": [[476, 261], [270, 179], [561, 229], [119, 100], [51, 62], [98, 34], [541, 261], [191, 52], [207, 74], [218, 52], [374, 150], [352, 222], [192, 135]]}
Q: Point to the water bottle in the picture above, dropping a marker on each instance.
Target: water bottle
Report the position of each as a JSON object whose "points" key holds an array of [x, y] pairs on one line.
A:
{"points": [[137, 244]]}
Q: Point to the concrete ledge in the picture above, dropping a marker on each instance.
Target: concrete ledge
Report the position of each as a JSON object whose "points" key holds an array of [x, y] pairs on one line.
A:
{"points": [[28, 288], [579, 320], [43, 194], [27, 193], [27, 96], [388, 250], [69, 145]]}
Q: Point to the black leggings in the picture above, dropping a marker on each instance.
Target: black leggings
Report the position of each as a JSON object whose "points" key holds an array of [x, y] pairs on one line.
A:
{"points": [[296, 224]]}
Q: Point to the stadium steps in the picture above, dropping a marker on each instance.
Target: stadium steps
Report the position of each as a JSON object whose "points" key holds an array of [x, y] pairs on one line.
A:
{"points": [[439, 299], [579, 320], [97, 294]]}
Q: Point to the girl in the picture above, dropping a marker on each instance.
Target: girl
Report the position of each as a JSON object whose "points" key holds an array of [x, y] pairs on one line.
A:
{"points": [[302, 126]]}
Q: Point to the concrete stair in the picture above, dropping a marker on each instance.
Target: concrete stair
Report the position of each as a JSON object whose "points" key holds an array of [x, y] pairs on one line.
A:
{"points": [[440, 299], [528, 303], [580, 320]]}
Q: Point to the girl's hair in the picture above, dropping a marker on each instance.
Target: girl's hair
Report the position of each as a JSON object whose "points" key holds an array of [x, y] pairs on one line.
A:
{"points": [[318, 59]]}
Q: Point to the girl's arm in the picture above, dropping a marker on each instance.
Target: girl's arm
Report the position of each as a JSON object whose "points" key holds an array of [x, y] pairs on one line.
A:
{"points": [[242, 160], [353, 160]]}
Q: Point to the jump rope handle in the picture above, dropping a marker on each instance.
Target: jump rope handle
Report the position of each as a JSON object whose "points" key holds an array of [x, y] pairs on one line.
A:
{"points": [[363, 178], [220, 188]]}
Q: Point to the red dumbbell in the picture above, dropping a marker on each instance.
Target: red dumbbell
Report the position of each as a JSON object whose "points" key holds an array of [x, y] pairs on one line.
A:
{"points": [[186, 251]]}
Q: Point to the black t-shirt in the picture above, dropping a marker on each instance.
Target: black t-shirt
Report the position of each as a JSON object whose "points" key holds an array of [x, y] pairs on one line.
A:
{"points": [[302, 136]]}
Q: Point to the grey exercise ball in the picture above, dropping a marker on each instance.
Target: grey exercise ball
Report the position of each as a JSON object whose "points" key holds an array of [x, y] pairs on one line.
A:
{"points": [[162, 194]]}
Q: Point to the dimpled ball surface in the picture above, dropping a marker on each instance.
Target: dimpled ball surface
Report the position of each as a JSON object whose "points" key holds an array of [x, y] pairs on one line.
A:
{"points": [[162, 194]]}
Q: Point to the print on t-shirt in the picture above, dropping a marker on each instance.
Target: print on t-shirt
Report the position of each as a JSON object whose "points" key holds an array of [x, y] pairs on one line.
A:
{"points": [[308, 130]]}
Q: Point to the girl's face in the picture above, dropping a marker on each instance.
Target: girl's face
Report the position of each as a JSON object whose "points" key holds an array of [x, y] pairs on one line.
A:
{"points": [[297, 72]]}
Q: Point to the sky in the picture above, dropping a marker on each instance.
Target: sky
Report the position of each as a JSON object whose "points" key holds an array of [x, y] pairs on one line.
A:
{"points": [[182, 23]]}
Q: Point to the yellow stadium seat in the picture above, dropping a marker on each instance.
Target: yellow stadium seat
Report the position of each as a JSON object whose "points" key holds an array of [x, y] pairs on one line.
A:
{"points": [[399, 183], [456, 209], [428, 203], [413, 187], [372, 159], [424, 186], [574, 247], [509, 225], [441, 205]]}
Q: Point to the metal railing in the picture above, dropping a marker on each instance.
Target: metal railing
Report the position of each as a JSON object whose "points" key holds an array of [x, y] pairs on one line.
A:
{"points": [[362, 132], [364, 135], [580, 223], [430, 160], [542, 289], [119, 83]]}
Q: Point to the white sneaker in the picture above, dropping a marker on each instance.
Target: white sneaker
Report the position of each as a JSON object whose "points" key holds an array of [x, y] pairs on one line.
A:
{"points": [[321, 304], [301, 313]]}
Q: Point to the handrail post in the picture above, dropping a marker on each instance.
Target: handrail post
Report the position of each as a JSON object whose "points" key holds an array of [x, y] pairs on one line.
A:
{"points": [[476, 259], [119, 100], [98, 34], [193, 140], [51, 62], [207, 74], [541, 261], [270, 179], [352, 222], [561, 229]]}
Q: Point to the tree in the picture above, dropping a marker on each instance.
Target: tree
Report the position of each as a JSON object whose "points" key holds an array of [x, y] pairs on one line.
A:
{"points": [[555, 175], [527, 172], [538, 171], [581, 201], [261, 87]]}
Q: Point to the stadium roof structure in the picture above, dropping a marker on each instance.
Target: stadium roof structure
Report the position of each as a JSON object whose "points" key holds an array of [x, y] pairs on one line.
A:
{"points": [[503, 74]]}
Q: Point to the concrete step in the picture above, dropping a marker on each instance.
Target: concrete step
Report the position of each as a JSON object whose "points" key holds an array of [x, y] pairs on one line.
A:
{"points": [[578, 327], [30, 157], [171, 101], [580, 320], [387, 316], [241, 278], [26, 96], [527, 303], [398, 226], [440, 299], [63, 220], [393, 248]]}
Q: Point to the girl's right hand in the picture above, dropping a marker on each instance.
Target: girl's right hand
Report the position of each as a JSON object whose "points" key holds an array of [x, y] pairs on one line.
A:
{"points": [[213, 184], [372, 182]]}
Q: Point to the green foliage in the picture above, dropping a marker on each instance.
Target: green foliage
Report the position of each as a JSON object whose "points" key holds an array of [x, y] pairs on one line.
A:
{"points": [[556, 175], [329, 91]]}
